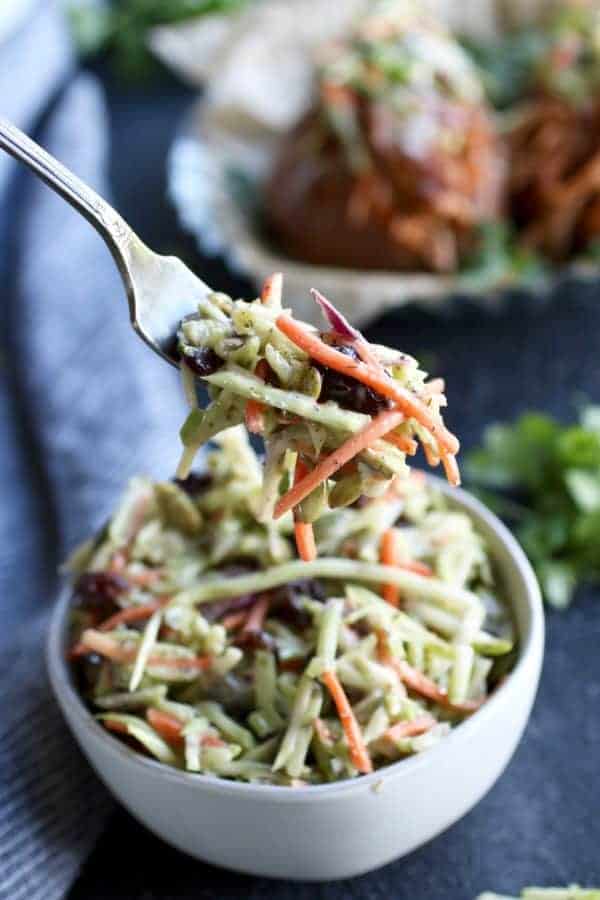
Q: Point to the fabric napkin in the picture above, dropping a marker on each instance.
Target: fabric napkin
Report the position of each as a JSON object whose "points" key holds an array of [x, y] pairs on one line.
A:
{"points": [[83, 406]]}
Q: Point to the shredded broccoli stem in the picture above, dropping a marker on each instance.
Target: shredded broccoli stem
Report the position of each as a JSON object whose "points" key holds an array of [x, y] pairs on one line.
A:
{"points": [[329, 414], [329, 568], [278, 671]]}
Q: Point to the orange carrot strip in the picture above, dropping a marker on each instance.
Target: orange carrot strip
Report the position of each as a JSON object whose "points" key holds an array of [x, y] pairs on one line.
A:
{"points": [[106, 646], [412, 406], [451, 469], [254, 413], [257, 615], [413, 565], [182, 662], [255, 410], [168, 726], [114, 725], [211, 740], [305, 541], [356, 744], [388, 555], [409, 729], [131, 614], [421, 684], [407, 444], [418, 682], [303, 531], [380, 425]]}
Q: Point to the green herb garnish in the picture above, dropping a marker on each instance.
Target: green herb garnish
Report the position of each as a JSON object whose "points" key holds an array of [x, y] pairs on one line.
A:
{"points": [[506, 66], [545, 478], [498, 260], [120, 29]]}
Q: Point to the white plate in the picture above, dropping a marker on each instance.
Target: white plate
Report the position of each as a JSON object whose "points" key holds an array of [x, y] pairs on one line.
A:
{"points": [[258, 82]]}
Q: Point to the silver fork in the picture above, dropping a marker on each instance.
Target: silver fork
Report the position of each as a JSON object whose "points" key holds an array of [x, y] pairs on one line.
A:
{"points": [[160, 290]]}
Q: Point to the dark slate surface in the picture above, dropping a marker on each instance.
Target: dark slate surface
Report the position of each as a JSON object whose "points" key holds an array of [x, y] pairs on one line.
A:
{"points": [[541, 823]]}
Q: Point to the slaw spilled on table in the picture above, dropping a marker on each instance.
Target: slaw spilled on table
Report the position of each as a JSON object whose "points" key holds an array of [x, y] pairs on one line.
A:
{"points": [[202, 641], [338, 416]]}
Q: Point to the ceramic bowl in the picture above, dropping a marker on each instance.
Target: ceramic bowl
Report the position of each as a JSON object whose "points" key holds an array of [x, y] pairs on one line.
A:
{"points": [[336, 830]]}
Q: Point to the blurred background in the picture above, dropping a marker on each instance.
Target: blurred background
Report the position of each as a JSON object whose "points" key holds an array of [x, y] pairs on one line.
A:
{"points": [[480, 260]]}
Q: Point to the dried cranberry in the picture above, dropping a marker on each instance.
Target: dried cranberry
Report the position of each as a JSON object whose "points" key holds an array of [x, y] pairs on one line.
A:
{"points": [[194, 485], [255, 640], [347, 392], [87, 671], [214, 611], [202, 360], [287, 601], [96, 593]]}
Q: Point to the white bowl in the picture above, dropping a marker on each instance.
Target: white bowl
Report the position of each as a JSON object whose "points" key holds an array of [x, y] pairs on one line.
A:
{"points": [[335, 830]]}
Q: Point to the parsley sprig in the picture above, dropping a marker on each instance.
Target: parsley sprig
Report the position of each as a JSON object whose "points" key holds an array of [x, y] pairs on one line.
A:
{"points": [[544, 478], [120, 28]]}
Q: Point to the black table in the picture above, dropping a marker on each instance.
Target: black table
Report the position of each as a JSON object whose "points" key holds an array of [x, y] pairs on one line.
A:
{"points": [[541, 823]]}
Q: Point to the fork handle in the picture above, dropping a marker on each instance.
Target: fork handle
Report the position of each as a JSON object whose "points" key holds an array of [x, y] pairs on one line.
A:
{"points": [[108, 223]]}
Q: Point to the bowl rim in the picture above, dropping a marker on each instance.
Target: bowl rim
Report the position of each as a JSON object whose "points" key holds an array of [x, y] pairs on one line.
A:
{"points": [[532, 644]]}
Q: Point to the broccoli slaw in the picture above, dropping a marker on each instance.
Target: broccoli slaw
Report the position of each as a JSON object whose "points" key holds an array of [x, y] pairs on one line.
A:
{"points": [[202, 641], [338, 415]]}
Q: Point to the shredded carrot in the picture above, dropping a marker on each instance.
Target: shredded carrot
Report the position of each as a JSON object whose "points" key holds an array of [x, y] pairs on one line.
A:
{"points": [[211, 740], [380, 425], [388, 554], [271, 289], [421, 684], [305, 541], [402, 442], [303, 531], [255, 410], [131, 614], [168, 726], [257, 615], [356, 744], [413, 565], [411, 728], [106, 646], [418, 682], [412, 406], [451, 469], [115, 725], [234, 620], [182, 662]]}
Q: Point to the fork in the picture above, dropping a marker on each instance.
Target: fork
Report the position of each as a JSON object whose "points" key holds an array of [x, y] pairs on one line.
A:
{"points": [[160, 290]]}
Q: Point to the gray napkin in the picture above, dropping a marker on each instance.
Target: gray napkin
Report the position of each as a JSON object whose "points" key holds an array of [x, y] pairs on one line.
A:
{"points": [[83, 406]]}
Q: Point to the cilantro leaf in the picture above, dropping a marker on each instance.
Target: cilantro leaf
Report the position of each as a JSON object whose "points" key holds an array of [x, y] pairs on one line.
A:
{"points": [[544, 478], [120, 29]]}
